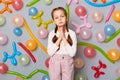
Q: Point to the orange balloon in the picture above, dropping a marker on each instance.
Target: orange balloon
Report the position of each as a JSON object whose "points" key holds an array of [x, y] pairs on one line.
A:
{"points": [[31, 45], [116, 15], [113, 54], [78, 62]]}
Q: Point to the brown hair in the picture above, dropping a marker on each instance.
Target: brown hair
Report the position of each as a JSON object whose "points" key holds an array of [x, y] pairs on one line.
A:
{"points": [[55, 37]]}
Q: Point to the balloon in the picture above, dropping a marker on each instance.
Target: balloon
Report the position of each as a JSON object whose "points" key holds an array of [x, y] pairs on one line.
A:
{"points": [[31, 44], [3, 68], [48, 2], [45, 77], [113, 54], [109, 30], [116, 15], [17, 20], [17, 31], [47, 62], [79, 76], [118, 42], [2, 20], [33, 11], [89, 52], [32, 3], [97, 16], [80, 11], [117, 71], [78, 62], [100, 36], [42, 32], [3, 39], [24, 59], [17, 4], [85, 33]]}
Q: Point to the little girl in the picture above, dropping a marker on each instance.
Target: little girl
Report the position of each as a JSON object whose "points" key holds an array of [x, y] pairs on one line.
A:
{"points": [[62, 45]]}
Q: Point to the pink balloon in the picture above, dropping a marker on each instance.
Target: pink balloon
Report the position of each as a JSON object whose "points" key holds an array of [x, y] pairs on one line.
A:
{"points": [[117, 71], [80, 10], [42, 32], [3, 39], [100, 36], [17, 4], [85, 33], [89, 52], [17, 20], [3, 68]]}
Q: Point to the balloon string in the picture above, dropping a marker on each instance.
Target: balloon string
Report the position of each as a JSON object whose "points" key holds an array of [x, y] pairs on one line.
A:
{"points": [[112, 36], [96, 47], [34, 38], [29, 75]]}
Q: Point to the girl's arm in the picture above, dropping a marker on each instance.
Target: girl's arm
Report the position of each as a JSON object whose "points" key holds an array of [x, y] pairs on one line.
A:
{"points": [[52, 47], [72, 49]]}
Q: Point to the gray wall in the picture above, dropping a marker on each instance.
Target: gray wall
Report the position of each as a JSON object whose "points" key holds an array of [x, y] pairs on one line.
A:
{"points": [[41, 56]]}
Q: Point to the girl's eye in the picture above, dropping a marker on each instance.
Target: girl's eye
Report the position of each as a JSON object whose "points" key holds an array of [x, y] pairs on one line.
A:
{"points": [[56, 17]]}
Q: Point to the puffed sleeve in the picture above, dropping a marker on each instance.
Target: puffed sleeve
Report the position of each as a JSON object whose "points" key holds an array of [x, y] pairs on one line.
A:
{"points": [[72, 49], [51, 47]]}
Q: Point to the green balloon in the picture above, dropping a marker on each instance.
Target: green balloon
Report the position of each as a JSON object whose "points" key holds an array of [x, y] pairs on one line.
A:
{"points": [[2, 20], [48, 2], [24, 59], [79, 76]]}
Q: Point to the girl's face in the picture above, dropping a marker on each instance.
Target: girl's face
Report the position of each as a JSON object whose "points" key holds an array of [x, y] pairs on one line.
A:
{"points": [[59, 18]]}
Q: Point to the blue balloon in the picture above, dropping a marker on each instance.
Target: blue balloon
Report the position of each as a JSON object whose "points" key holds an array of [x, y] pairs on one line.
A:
{"points": [[45, 77], [17, 31], [33, 11], [109, 30]]}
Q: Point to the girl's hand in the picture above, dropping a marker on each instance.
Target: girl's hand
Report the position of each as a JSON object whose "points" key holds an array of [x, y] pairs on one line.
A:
{"points": [[62, 33]]}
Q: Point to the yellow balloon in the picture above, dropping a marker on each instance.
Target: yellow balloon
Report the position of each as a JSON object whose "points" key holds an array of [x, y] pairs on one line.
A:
{"points": [[116, 15], [31, 45], [113, 54]]}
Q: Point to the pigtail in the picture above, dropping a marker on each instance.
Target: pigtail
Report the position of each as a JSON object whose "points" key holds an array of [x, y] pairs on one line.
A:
{"points": [[55, 38], [69, 38]]}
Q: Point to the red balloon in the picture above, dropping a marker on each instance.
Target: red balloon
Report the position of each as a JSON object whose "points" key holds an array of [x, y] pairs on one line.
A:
{"points": [[80, 11], [47, 62], [3, 68], [118, 42], [17, 4], [89, 51]]}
